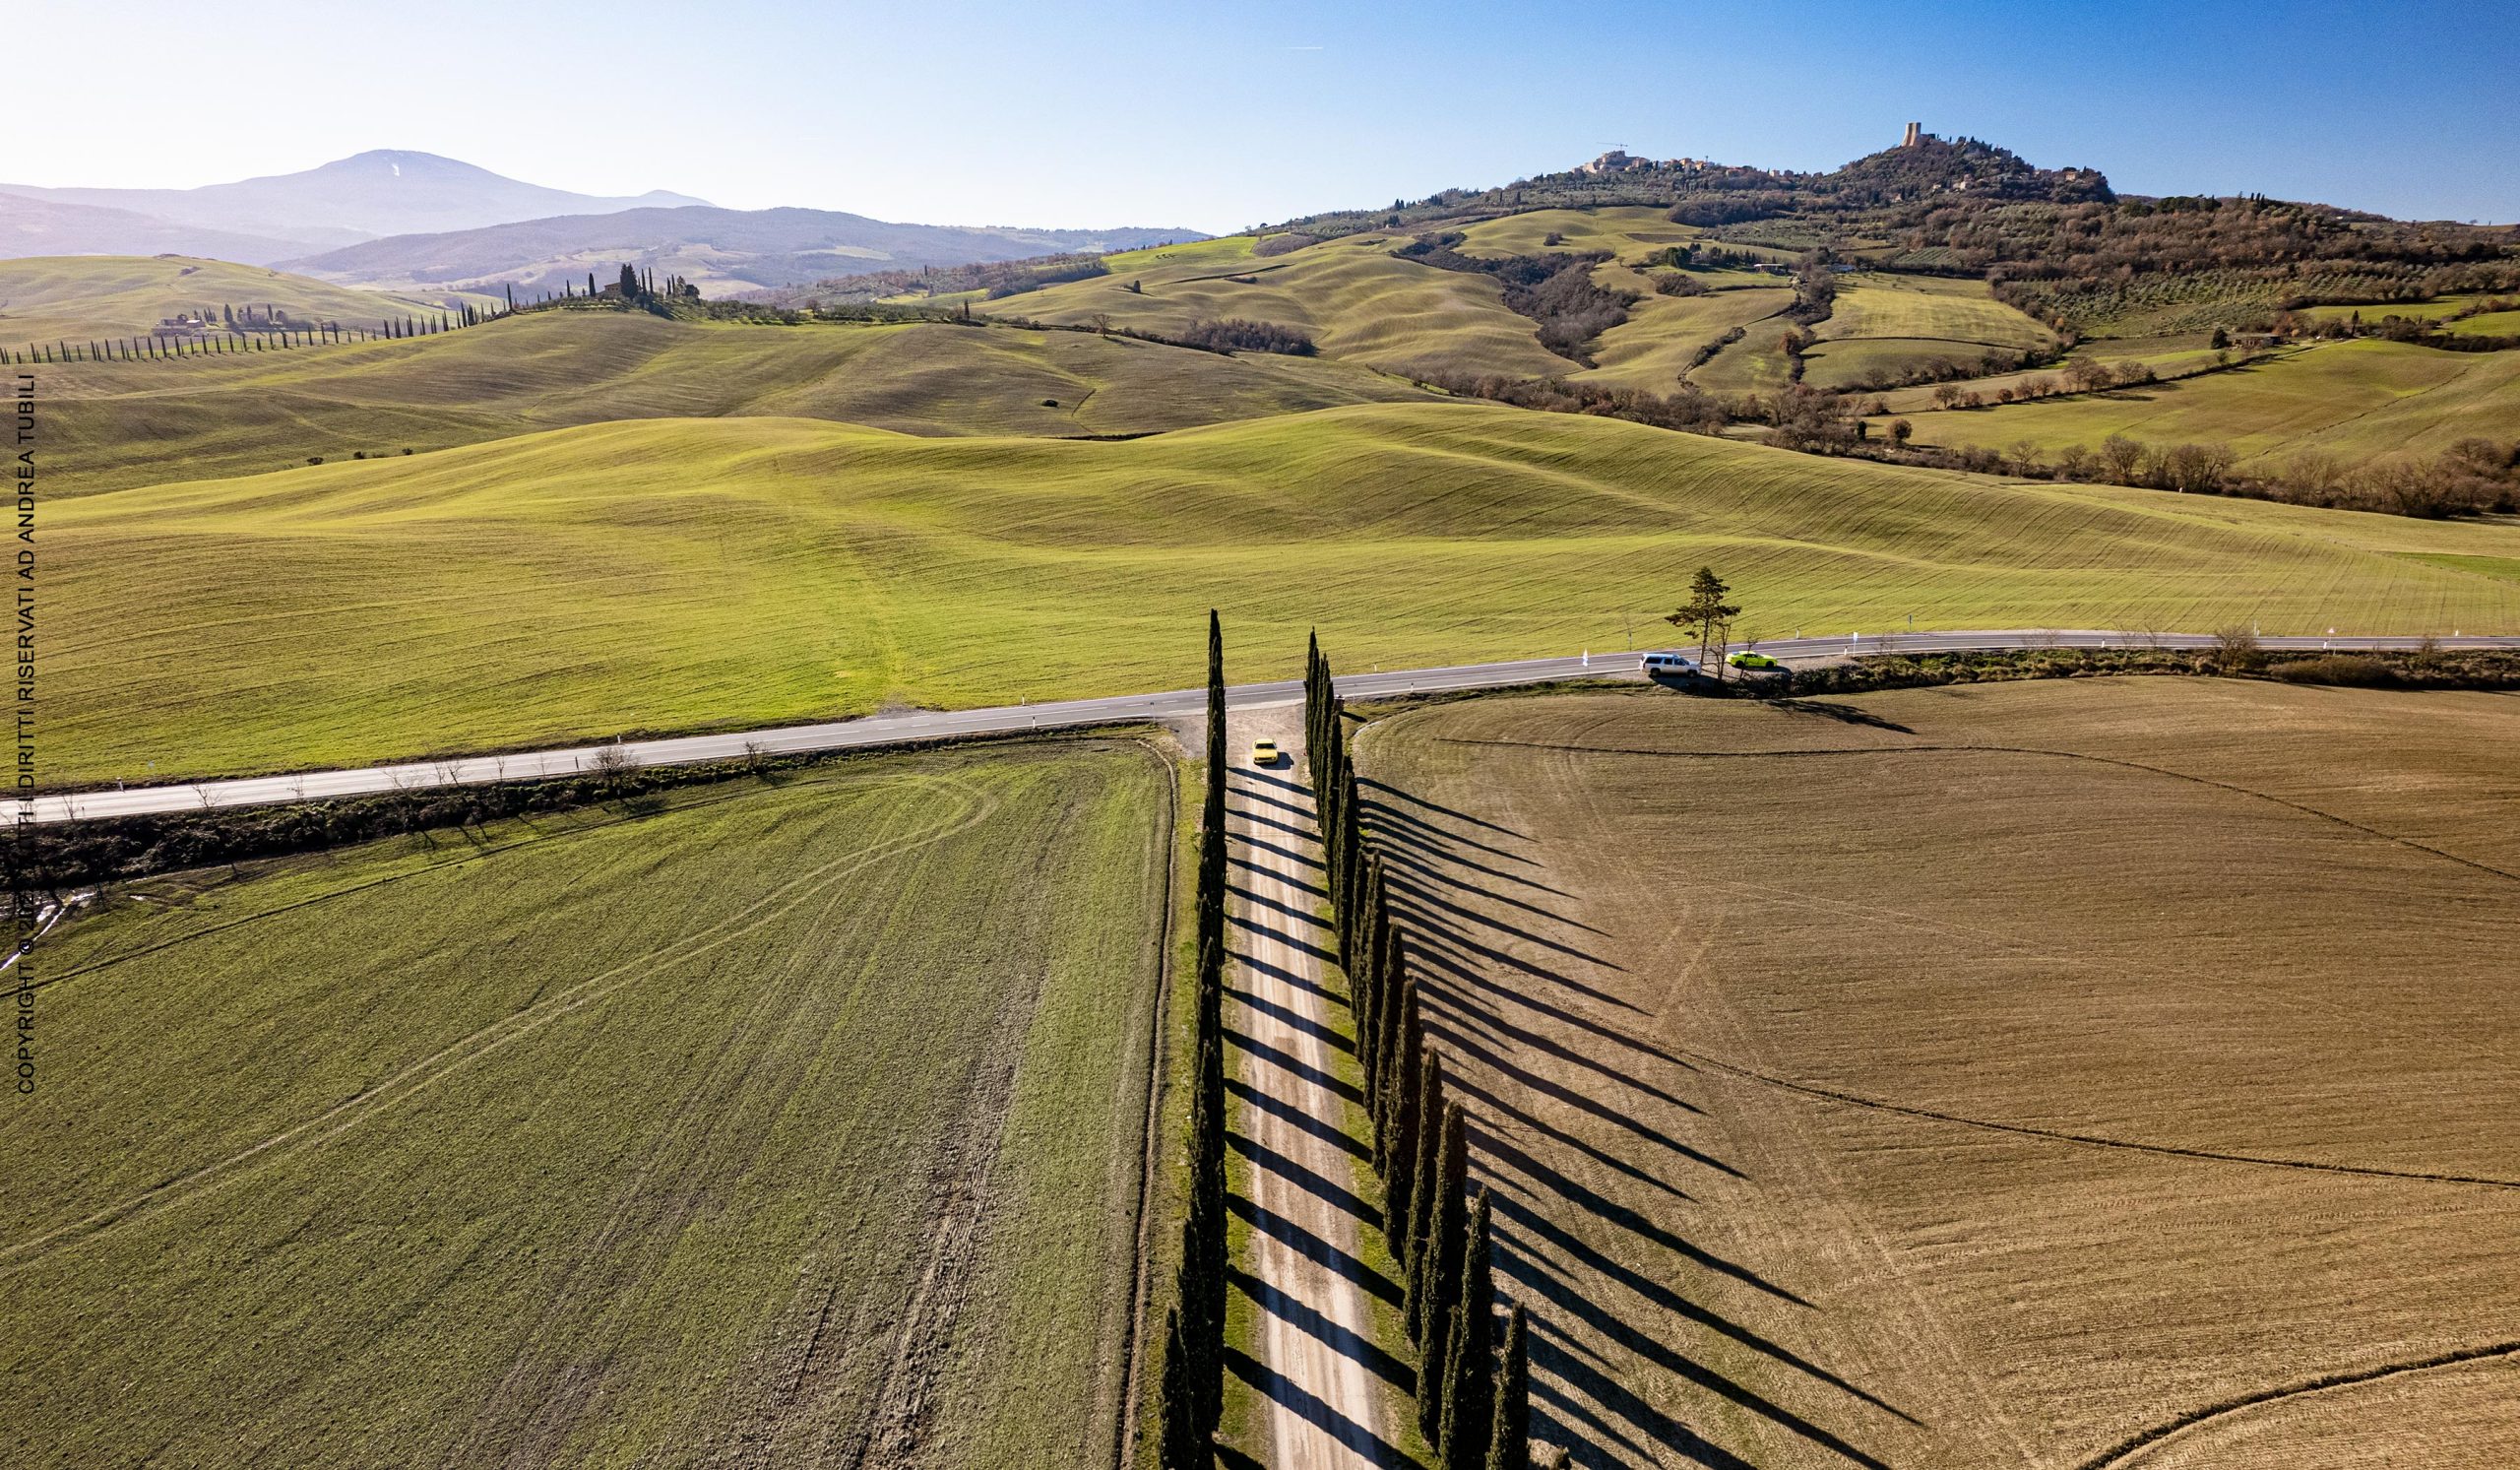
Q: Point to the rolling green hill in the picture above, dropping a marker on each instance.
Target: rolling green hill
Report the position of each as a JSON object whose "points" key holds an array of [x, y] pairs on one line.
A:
{"points": [[46, 298], [1352, 297], [119, 425], [1357, 300], [2356, 400], [685, 574]]}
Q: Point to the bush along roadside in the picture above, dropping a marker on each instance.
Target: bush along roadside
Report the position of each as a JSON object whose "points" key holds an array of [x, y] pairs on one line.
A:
{"points": [[1193, 1383], [2238, 656], [1473, 1380]]}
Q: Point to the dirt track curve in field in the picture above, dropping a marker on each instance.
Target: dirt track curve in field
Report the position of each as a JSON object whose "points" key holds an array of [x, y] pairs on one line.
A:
{"points": [[2135, 1446], [1319, 1375]]}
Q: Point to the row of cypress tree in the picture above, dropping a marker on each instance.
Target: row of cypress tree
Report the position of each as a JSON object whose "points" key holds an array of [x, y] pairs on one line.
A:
{"points": [[1193, 1383], [1473, 1399], [229, 341]]}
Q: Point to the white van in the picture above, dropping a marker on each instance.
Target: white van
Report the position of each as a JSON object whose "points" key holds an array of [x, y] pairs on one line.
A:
{"points": [[1669, 665]]}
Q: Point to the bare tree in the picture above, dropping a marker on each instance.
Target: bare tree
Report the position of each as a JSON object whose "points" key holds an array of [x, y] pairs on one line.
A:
{"points": [[614, 763], [2123, 456], [2238, 651]]}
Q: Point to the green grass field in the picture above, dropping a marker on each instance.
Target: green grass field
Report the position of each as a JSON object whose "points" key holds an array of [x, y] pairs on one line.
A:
{"points": [[2414, 311], [1628, 232], [1653, 350], [1871, 304], [45, 299], [1352, 297], [2354, 400], [112, 425], [762, 1126], [716, 574]]}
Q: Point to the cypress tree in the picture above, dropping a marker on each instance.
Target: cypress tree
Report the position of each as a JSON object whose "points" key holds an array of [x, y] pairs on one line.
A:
{"points": [[1439, 1137], [1469, 1410], [1211, 854], [1436, 1282], [1415, 1093], [1365, 976], [1509, 1442], [1203, 1268]]}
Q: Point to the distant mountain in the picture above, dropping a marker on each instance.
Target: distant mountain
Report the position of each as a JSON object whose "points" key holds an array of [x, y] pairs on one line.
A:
{"points": [[44, 227], [718, 250], [384, 192]]}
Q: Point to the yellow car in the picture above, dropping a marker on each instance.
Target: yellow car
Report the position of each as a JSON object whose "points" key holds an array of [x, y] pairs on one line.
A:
{"points": [[1749, 659], [1264, 753]]}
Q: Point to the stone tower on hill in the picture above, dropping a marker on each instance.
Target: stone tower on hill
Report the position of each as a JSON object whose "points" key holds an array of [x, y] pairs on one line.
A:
{"points": [[1912, 135]]}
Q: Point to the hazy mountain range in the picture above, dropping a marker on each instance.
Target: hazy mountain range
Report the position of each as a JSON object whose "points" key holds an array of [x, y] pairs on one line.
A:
{"points": [[718, 250], [384, 192], [396, 218]]}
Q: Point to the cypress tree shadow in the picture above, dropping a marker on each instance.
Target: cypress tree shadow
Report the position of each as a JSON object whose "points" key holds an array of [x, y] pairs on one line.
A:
{"points": [[1374, 1448], [1254, 868], [1346, 1343], [1290, 942], [1428, 950], [1280, 907], [1524, 1217], [1576, 1305], [1670, 1437], [1843, 714], [1295, 1066], [1421, 898], [1487, 1016], [1329, 1134], [1290, 854], [1309, 987], [1315, 1248], [1386, 788], [1450, 1033], [1311, 1180], [1325, 1035]]}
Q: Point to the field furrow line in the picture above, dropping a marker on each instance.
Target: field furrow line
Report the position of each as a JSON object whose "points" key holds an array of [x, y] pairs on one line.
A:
{"points": [[421, 1075]]}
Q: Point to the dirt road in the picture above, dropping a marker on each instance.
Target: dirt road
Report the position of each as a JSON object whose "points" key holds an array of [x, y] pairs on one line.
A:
{"points": [[1324, 1382]]}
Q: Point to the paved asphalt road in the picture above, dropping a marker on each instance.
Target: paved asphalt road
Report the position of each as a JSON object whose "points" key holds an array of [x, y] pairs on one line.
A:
{"points": [[894, 730]]}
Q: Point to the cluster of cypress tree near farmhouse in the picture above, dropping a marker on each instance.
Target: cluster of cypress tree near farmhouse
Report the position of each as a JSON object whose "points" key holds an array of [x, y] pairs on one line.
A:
{"points": [[1193, 1384], [1473, 1384], [244, 332], [235, 333]]}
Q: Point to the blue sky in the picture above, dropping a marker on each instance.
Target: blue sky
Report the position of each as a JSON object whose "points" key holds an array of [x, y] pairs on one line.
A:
{"points": [[1216, 115]]}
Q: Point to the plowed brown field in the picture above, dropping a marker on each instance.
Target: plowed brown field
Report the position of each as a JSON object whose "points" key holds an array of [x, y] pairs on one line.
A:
{"points": [[2064, 1074]]}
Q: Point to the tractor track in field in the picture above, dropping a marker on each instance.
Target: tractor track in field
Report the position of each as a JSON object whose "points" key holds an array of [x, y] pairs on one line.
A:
{"points": [[894, 1436], [1151, 1144], [1950, 749], [2135, 1446], [419, 1077], [2087, 1140]]}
